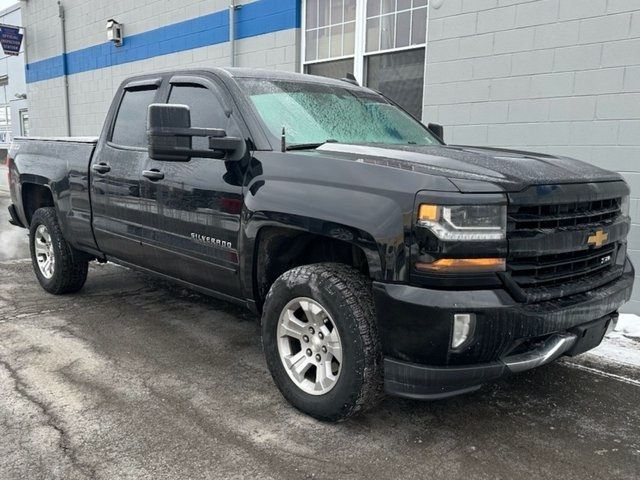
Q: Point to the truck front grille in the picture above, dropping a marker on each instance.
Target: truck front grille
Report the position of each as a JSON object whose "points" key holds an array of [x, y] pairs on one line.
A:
{"points": [[560, 268], [527, 217], [549, 252]]}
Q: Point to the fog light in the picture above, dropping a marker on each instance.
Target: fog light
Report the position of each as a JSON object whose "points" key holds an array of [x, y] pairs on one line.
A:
{"points": [[463, 325]]}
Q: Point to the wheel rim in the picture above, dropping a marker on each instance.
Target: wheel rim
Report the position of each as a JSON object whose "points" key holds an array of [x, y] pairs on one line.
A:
{"points": [[309, 346], [44, 251]]}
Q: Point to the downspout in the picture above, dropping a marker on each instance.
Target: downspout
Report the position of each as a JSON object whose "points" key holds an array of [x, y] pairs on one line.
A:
{"points": [[233, 8], [65, 90]]}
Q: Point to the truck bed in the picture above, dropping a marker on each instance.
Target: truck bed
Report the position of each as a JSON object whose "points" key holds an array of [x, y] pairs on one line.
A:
{"points": [[93, 140], [61, 165]]}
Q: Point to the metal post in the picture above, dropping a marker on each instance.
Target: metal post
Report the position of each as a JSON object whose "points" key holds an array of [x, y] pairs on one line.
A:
{"points": [[232, 33], [65, 90]]}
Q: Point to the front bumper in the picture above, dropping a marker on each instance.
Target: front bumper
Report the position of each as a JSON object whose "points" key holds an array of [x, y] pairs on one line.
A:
{"points": [[415, 329]]}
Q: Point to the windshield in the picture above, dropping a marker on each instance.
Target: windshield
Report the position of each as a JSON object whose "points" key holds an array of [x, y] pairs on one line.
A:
{"points": [[314, 113]]}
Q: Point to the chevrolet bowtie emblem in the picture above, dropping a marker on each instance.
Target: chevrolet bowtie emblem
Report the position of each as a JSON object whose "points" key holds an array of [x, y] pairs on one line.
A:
{"points": [[598, 238]]}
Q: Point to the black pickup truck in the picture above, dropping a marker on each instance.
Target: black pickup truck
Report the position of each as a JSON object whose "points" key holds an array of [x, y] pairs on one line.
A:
{"points": [[379, 258]]}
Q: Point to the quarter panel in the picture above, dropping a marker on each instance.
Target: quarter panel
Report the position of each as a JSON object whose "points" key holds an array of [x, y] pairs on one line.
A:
{"points": [[61, 166]]}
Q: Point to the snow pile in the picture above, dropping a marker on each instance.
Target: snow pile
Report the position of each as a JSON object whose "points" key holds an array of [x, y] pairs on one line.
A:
{"points": [[623, 344], [628, 326]]}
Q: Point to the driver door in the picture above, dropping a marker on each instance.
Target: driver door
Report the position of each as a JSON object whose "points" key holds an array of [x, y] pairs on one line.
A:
{"points": [[196, 204]]}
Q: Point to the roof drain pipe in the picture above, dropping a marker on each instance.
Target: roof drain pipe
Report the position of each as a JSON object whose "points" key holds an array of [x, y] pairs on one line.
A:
{"points": [[233, 8], [65, 90]]}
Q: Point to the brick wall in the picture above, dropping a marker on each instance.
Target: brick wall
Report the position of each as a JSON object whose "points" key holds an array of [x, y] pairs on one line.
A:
{"points": [[557, 76], [91, 91]]}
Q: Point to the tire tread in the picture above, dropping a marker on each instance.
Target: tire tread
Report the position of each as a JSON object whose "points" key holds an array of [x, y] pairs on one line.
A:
{"points": [[71, 273], [356, 293]]}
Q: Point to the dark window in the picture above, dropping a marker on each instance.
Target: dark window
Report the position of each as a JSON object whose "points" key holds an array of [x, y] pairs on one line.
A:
{"points": [[130, 128], [333, 69], [206, 111], [399, 76]]}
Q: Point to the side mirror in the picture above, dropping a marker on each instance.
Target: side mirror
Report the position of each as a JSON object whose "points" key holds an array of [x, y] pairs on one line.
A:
{"points": [[170, 136], [437, 130]]}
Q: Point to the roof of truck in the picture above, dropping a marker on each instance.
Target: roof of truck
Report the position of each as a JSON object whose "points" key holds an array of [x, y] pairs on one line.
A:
{"points": [[240, 72], [234, 73]]}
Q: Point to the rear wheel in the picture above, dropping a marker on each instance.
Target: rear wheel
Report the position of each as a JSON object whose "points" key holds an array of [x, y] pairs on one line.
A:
{"points": [[54, 261], [320, 340]]}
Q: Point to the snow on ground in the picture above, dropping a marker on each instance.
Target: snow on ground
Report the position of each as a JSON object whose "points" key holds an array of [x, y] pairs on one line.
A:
{"points": [[621, 345]]}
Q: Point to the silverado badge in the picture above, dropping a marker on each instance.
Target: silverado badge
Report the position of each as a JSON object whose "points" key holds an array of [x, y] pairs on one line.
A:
{"points": [[598, 238]]}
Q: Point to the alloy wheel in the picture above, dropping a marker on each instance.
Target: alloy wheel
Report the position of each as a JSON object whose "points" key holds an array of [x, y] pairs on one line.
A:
{"points": [[44, 251], [309, 346]]}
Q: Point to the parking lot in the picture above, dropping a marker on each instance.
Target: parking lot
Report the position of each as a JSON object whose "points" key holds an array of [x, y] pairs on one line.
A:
{"points": [[135, 378]]}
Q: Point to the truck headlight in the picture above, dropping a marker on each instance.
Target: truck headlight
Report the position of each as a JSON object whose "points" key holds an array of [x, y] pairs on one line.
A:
{"points": [[464, 222]]}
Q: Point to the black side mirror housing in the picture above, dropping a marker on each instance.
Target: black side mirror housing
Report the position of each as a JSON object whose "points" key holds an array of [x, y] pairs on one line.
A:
{"points": [[170, 136], [437, 130]]}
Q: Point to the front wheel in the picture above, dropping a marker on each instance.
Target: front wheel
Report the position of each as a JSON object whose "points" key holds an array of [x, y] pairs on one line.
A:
{"points": [[320, 339], [54, 260]]}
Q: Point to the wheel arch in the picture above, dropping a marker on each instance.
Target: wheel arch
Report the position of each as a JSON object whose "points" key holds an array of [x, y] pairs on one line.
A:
{"points": [[274, 243], [34, 195]]}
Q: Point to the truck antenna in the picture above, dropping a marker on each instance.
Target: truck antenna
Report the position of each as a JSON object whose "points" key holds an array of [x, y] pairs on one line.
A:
{"points": [[283, 141]]}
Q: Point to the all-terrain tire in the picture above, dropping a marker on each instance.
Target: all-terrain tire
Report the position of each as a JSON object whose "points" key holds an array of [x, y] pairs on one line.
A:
{"points": [[69, 271], [346, 295]]}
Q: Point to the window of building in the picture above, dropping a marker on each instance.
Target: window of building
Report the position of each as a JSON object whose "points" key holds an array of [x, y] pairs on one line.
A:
{"points": [[5, 116], [330, 28], [382, 42], [130, 128], [24, 123], [5, 125]]}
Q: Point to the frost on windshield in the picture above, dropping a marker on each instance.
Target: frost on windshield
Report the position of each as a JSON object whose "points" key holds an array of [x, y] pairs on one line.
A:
{"points": [[314, 113]]}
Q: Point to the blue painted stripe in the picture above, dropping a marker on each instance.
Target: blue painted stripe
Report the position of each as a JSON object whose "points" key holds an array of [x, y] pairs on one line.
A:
{"points": [[257, 18]]}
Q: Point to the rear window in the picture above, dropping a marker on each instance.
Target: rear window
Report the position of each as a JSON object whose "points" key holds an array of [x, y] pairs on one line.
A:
{"points": [[130, 128]]}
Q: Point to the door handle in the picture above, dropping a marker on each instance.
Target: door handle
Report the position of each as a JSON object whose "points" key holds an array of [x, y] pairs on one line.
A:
{"points": [[154, 175], [101, 167]]}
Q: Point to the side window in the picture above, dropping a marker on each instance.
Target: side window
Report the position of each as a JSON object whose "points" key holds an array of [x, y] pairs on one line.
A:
{"points": [[206, 110], [130, 128]]}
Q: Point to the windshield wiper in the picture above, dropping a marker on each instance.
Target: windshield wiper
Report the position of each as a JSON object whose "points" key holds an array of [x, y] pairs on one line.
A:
{"points": [[304, 146], [309, 146]]}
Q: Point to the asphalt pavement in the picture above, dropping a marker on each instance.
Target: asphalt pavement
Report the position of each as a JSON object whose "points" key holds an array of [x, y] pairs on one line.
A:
{"points": [[137, 378]]}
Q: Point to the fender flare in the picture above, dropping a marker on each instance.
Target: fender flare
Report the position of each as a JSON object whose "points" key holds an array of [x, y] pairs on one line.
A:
{"points": [[258, 221]]}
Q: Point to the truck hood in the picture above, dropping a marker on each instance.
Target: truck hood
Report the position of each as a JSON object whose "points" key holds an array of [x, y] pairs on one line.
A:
{"points": [[475, 169]]}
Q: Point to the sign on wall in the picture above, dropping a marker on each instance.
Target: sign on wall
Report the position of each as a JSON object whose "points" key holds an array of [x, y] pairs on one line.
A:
{"points": [[10, 39]]}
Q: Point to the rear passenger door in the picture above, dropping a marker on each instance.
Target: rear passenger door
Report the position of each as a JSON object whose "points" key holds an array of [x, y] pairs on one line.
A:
{"points": [[116, 181], [197, 221]]}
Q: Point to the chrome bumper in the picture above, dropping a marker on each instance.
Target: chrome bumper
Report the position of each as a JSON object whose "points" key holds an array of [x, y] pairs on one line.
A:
{"points": [[554, 347]]}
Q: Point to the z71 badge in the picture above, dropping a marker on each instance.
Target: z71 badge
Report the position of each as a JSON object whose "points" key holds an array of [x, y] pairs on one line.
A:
{"points": [[216, 242]]}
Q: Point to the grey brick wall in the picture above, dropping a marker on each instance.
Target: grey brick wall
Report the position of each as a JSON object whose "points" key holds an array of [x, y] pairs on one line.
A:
{"points": [[557, 76], [90, 92]]}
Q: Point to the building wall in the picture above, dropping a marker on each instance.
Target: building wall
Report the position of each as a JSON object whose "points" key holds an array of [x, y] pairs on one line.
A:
{"points": [[556, 76], [161, 35], [13, 68]]}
